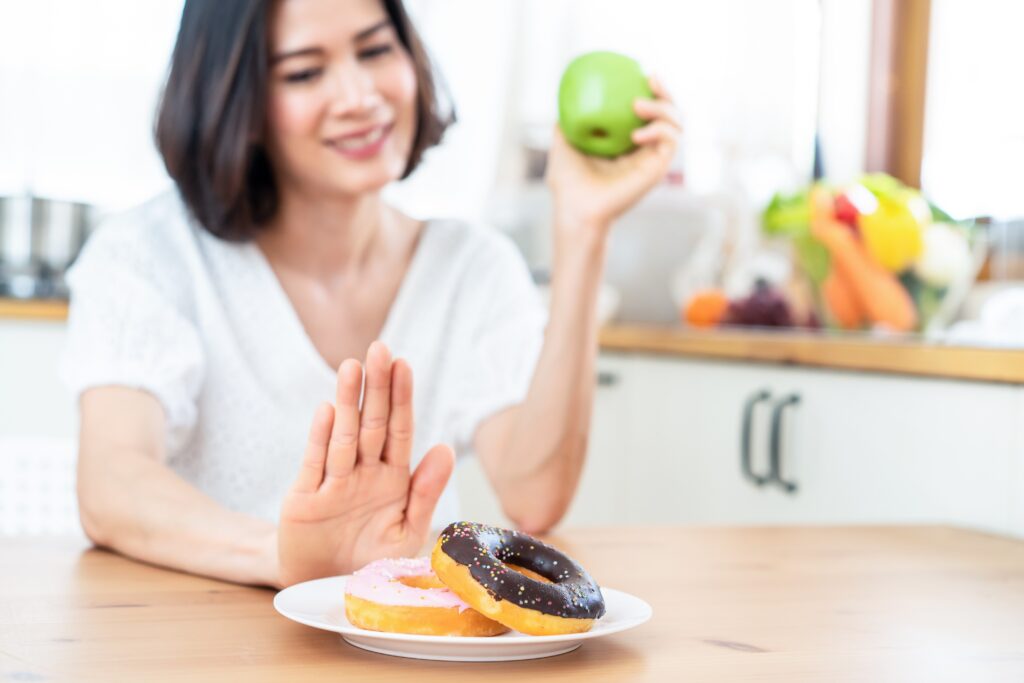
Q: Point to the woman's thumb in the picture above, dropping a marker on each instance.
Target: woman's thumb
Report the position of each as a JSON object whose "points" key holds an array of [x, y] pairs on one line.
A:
{"points": [[428, 481]]}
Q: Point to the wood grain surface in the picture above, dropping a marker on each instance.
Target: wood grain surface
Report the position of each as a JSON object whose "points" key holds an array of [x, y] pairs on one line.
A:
{"points": [[752, 604]]}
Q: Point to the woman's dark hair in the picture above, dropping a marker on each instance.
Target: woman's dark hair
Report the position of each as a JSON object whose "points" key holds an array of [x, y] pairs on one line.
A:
{"points": [[211, 122]]}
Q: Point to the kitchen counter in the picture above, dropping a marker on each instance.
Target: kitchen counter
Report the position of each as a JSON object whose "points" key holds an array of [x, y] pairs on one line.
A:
{"points": [[752, 604], [836, 351], [846, 351]]}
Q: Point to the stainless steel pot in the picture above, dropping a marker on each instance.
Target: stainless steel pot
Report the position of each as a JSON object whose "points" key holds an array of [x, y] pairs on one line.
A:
{"points": [[39, 239]]}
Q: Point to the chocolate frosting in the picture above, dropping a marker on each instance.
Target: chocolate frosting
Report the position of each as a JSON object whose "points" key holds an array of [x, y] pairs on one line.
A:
{"points": [[485, 550]]}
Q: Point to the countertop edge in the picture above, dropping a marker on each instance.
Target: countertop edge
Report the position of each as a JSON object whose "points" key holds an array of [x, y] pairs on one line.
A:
{"points": [[33, 309], [889, 356]]}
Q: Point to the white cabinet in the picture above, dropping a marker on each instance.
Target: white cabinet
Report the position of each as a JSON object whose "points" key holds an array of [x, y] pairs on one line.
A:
{"points": [[38, 424], [861, 448], [33, 401], [603, 493]]}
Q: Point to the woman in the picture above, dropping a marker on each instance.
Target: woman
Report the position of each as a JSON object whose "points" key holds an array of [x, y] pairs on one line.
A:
{"points": [[206, 326]]}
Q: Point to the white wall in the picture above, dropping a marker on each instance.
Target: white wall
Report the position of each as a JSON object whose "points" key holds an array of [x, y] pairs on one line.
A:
{"points": [[78, 81]]}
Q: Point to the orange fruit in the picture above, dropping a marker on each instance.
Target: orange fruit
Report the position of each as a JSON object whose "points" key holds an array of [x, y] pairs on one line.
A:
{"points": [[706, 308]]}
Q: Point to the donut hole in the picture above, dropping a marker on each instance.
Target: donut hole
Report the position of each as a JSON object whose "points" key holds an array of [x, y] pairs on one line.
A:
{"points": [[528, 573], [423, 581]]}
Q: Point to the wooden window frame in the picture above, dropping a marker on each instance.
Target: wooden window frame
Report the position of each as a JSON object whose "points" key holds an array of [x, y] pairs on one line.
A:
{"points": [[898, 75]]}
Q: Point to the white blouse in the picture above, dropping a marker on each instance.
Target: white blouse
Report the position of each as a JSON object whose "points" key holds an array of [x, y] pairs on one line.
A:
{"points": [[161, 305]]}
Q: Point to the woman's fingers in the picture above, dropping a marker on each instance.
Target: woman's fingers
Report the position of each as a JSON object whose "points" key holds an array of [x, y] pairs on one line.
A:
{"points": [[665, 125], [342, 448], [665, 121], [657, 132], [428, 481], [311, 473], [658, 110], [373, 424], [398, 446]]}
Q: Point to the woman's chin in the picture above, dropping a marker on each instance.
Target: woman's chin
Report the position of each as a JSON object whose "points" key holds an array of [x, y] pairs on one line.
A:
{"points": [[357, 184]]}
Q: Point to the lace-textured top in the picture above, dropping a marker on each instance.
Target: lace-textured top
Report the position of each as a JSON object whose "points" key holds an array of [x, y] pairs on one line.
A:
{"points": [[202, 324]]}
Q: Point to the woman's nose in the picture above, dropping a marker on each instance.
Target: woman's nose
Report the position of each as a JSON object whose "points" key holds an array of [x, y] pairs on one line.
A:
{"points": [[353, 91]]}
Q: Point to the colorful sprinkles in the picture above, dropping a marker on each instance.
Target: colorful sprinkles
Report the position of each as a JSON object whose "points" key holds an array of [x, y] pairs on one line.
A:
{"points": [[485, 550]]}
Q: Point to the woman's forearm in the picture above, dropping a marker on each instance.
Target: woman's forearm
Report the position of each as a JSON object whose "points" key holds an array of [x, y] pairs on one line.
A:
{"points": [[545, 449], [534, 453], [137, 506]]}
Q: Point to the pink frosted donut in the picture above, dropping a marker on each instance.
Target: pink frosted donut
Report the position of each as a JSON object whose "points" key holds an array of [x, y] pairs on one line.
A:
{"points": [[405, 596], [381, 582]]}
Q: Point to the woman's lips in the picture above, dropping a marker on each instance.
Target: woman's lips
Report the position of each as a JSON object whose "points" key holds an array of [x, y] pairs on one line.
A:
{"points": [[363, 146]]}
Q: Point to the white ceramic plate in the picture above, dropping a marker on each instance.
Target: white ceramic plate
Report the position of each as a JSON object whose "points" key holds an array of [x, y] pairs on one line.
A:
{"points": [[321, 604]]}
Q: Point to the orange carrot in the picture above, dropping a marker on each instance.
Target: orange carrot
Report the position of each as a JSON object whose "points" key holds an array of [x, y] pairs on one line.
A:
{"points": [[879, 293], [841, 302]]}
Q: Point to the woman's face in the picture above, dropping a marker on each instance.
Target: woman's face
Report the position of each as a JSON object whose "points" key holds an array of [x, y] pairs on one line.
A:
{"points": [[342, 110]]}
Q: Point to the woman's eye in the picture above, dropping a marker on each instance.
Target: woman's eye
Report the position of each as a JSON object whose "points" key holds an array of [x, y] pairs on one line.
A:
{"points": [[371, 52], [302, 76]]}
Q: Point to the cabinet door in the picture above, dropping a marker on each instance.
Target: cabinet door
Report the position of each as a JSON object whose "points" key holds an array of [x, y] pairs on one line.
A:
{"points": [[1017, 476], [685, 442], [861, 448], [879, 449], [665, 444], [602, 497], [33, 401]]}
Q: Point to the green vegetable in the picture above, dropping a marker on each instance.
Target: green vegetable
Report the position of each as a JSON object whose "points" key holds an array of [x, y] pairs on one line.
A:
{"points": [[884, 186], [940, 216], [927, 298], [788, 215], [812, 257]]}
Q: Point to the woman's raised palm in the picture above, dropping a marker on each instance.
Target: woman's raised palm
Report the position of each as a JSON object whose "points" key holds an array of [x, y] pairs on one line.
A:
{"points": [[354, 499]]}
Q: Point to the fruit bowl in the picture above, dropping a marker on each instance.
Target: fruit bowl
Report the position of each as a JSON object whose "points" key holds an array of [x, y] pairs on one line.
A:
{"points": [[876, 255]]}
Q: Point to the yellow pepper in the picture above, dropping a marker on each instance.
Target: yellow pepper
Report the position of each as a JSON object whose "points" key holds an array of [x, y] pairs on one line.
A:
{"points": [[894, 233]]}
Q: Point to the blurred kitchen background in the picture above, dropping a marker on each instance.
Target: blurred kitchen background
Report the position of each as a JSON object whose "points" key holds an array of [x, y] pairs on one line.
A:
{"points": [[824, 420]]}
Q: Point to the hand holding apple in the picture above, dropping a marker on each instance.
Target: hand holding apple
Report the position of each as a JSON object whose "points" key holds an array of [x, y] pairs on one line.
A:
{"points": [[595, 103], [590, 192]]}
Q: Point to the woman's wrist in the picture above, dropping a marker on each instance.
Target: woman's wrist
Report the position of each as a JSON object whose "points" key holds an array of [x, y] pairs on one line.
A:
{"points": [[576, 225], [269, 560], [579, 254]]}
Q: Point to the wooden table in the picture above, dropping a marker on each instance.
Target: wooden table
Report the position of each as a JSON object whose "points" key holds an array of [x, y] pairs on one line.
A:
{"points": [[768, 604]]}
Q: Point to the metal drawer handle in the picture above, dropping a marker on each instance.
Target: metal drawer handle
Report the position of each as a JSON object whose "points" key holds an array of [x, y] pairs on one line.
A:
{"points": [[776, 443], [746, 463]]}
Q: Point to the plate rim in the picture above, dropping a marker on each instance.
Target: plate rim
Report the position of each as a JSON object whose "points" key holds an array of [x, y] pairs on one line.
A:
{"points": [[521, 639], [471, 656]]}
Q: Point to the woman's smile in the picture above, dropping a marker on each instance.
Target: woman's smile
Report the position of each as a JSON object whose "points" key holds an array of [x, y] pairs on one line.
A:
{"points": [[361, 145]]}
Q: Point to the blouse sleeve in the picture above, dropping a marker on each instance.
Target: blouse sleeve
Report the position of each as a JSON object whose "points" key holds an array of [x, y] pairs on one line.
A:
{"points": [[498, 356], [129, 325]]}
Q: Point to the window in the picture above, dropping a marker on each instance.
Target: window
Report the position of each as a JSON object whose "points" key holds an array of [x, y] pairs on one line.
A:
{"points": [[974, 139]]}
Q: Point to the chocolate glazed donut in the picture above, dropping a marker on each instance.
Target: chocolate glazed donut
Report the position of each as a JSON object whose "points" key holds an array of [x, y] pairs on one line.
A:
{"points": [[566, 595]]}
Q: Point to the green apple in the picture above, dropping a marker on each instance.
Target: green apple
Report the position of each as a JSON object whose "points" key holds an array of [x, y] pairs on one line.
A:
{"points": [[595, 103]]}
